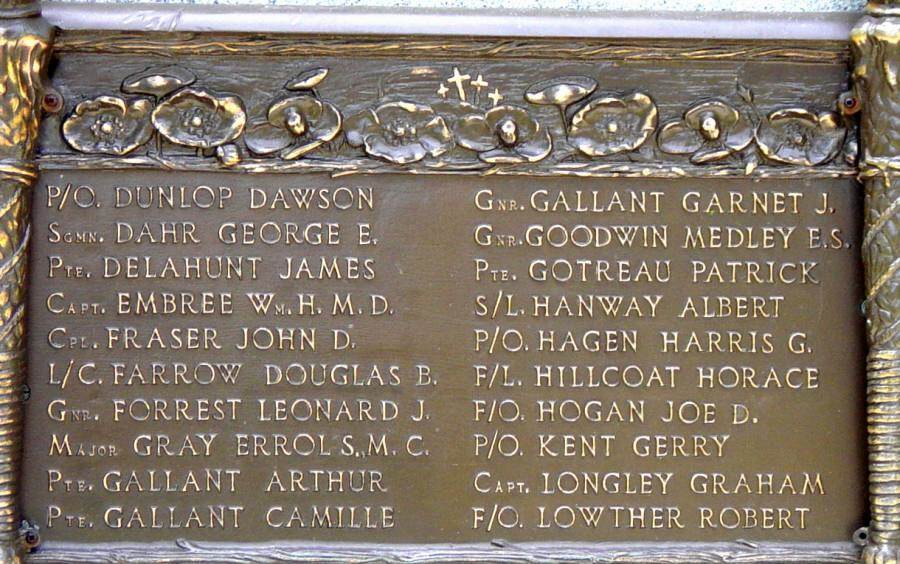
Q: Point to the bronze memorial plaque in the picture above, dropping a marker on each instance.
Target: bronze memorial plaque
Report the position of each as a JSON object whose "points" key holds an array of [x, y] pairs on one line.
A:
{"points": [[427, 359], [284, 297]]}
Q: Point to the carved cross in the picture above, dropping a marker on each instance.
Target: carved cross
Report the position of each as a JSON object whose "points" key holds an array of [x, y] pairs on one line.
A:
{"points": [[458, 80], [479, 83], [495, 96]]}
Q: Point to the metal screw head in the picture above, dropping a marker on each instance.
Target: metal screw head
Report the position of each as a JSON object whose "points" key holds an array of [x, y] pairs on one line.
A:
{"points": [[29, 534], [848, 104], [52, 102], [861, 536]]}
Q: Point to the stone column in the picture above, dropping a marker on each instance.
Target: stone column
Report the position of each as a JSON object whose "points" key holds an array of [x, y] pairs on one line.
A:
{"points": [[25, 44]]}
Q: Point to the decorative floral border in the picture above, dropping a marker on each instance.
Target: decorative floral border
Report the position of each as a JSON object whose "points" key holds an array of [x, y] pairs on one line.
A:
{"points": [[468, 126]]}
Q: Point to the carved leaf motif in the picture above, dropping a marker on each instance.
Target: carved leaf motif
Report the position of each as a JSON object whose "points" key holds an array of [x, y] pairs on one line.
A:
{"points": [[158, 81], [307, 80], [745, 92], [264, 139], [561, 91]]}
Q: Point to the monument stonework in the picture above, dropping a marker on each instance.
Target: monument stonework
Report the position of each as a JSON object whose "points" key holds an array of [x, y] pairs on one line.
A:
{"points": [[287, 297]]}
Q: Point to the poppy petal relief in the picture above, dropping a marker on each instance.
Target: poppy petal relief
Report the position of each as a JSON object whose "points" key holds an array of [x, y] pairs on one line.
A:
{"points": [[295, 126], [505, 135], [611, 124], [109, 124], [709, 131], [400, 132], [800, 137], [195, 117]]}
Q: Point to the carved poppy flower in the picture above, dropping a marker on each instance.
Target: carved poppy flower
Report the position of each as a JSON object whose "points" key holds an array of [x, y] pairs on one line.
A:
{"points": [[399, 132], [197, 118], [709, 131], [800, 137], [109, 124], [505, 134], [609, 125], [295, 126]]}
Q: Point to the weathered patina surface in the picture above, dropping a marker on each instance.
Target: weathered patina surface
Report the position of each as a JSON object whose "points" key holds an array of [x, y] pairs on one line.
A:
{"points": [[435, 299]]}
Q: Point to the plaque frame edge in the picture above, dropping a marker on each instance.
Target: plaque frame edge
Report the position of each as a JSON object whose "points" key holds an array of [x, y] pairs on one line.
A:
{"points": [[25, 46], [496, 551], [355, 20], [15, 15], [875, 43]]}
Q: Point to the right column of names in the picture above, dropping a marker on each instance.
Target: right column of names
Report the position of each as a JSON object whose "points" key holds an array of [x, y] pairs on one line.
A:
{"points": [[635, 346]]}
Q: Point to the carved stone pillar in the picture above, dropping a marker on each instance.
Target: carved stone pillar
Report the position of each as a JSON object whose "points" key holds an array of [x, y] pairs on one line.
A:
{"points": [[877, 62], [25, 41]]}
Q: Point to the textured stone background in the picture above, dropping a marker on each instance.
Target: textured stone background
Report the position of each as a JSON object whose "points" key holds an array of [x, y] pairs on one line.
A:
{"points": [[580, 5]]}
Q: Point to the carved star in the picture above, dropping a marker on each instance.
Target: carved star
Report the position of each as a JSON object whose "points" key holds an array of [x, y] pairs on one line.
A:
{"points": [[495, 96], [458, 80], [442, 90]]}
